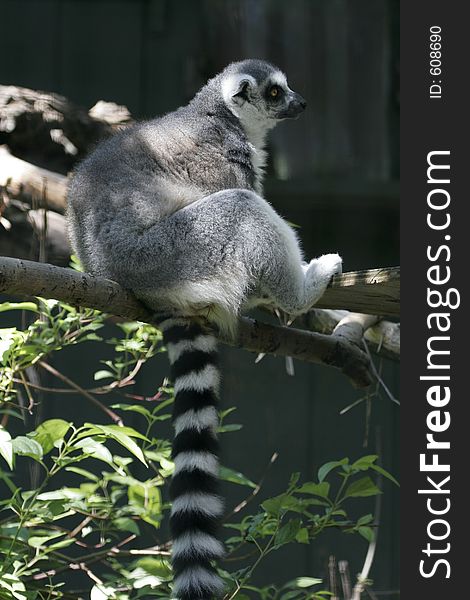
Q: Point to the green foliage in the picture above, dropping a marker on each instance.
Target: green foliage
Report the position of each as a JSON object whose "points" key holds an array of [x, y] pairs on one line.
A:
{"points": [[115, 475]]}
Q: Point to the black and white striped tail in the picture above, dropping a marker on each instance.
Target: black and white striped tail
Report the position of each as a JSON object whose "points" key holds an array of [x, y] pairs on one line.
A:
{"points": [[197, 507]]}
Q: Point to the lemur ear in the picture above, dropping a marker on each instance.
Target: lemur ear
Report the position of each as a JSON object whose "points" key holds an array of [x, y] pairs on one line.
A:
{"points": [[240, 94], [236, 89]]}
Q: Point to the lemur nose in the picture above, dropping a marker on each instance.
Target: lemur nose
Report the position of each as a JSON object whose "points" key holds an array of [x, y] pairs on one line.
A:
{"points": [[302, 102]]}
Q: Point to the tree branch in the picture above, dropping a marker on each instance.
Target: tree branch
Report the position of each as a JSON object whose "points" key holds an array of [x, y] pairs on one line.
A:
{"points": [[383, 338], [21, 277]]}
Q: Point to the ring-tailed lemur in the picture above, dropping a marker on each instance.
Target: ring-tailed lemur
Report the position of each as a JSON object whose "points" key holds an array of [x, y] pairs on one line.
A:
{"points": [[172, 209]]}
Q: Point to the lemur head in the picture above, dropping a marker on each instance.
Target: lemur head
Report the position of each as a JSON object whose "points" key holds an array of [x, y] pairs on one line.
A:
{"points": [[257, 93]]}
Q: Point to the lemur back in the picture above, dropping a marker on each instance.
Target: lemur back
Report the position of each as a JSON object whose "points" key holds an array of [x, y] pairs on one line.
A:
{"points": [[172, 209]]}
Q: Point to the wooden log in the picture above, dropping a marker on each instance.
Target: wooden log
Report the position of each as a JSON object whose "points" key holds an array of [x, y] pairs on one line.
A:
{"points": [[34, 234], [49, 130], [374, 292], [25, 180]]}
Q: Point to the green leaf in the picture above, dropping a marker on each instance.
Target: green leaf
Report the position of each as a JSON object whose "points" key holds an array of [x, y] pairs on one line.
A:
{"points": [[163, 404], [130, 445], [63, 494], [129, 326], [103, 375], [95, 449], [226, 412], [313, 502], [304, 582], [302, 536], [385, 474], [155, 566], [122, 435], [126, 524], [146, 498], [329, 466], [146, 581], [114, 429], [317, 489], [294, 479], [287, 533], [83, 472], [365, 519], [6, 447], [48, 303], [58, 507], [8, 337], [338, 512], [102, 592], [9, 483], [227, 428], [362, 488], [61, 544], [48, 433], [39, 541], [367, 533], [158, 455], [25, 446], [4, 306], [12, 584], [274, 505], [227, 474], [167, 467], [138, 408], [364, 463], [292, 595]]}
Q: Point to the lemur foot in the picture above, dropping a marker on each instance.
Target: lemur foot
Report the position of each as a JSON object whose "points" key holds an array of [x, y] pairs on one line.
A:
{"points": [[327, 264], [318, 274]]}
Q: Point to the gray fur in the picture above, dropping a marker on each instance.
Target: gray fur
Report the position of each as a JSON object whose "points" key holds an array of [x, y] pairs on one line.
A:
{"points": [[172, 209]]}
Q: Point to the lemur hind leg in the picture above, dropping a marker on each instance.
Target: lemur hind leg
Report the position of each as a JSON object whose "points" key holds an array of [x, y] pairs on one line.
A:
{"points": [[228, 250], [273, 257], [296, 288], [286, 281]]}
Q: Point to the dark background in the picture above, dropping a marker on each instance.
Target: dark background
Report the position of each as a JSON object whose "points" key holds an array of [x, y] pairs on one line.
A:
{"points": [[334, 172]]}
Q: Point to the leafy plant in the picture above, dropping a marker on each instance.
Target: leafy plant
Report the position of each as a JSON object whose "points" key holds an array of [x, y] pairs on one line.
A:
{"points": [[106, 522]]}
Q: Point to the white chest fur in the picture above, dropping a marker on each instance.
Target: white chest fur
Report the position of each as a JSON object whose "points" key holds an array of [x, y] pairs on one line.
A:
{"points": [[258, 159], [256, 134]]}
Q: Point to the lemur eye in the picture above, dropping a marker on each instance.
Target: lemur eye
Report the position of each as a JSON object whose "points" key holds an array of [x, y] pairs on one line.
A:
{"points": [[274, 91]]}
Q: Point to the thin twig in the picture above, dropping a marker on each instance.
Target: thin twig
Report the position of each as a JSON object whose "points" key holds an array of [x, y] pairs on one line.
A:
{"points": [[332, 578], [28, 393], [79, 527], [377, 375], [82, 567], [113, 416], [362, 578], [98, 556], [343, 567], [255, 491], [101, 390]]}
